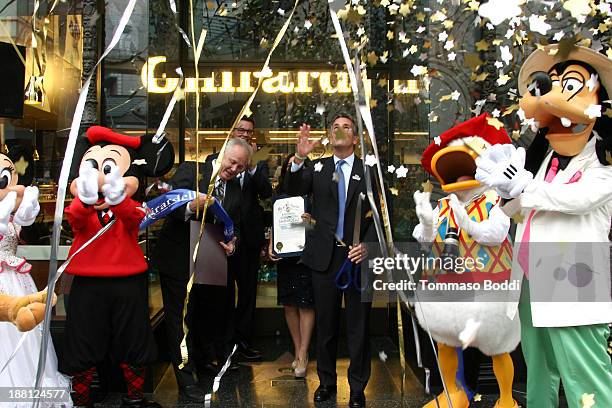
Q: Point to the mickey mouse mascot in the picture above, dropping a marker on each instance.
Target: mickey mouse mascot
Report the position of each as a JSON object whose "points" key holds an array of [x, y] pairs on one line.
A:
{"points": [[564, 197], [471, 224], [108, 310]]}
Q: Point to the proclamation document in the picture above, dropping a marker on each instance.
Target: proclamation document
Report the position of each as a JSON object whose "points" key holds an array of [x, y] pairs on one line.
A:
{"points": [[288, 228]]}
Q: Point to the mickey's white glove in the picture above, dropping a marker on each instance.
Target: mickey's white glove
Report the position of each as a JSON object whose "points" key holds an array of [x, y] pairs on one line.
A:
{"points": [[87, 184], [6, 208], [461, 216], [114, 187], [424, 231], [29, 207], [502, 167]]}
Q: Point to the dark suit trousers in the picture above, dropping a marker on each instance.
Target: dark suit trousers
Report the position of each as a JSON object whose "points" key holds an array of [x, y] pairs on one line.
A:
{"points": [[246, 280], [328, 303], [210, 320], [174, 290]]}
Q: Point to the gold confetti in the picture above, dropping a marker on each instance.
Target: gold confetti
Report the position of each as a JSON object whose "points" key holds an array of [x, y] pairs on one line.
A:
{"points": [[477, 397], [588, 400], [602, 28], [510, 109], [421, 16], [472, 61], [482, 45], [404, 9], [21, 165], [497, 42], [373, 103], [496, 123], [608, 157], [390, 35], [516, 135], [394, 191], [427, 186], [481, 77], [372, 58], [448, 24], [340, 134]]}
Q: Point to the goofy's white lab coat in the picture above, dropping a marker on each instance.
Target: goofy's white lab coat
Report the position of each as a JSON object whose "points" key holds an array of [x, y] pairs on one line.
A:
{"points": [[575, 207]]}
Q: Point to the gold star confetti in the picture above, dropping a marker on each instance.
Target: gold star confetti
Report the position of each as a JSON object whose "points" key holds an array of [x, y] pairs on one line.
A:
{"points": [[482, 45], [608, 112], [481, 77], [588, 400], [510, 109], [404, 9], [427, 186], [496, 123], [390, 35], [21, 165], [394, 191], [373, 103], [472, 61], [608, 157], [421, 16], [372, 58], [516, 135], [477, 397]]}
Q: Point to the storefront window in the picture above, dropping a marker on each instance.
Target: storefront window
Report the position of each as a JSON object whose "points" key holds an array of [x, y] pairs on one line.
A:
{"points": [[42, 77]]}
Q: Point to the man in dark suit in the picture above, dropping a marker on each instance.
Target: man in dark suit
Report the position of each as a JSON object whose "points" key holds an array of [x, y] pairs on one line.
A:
{"points": [[335, 184], [255, 185], [172, 256]]}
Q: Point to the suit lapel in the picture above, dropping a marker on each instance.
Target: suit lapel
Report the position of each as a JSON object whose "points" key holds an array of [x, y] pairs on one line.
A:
{"points": [[353, 183]]}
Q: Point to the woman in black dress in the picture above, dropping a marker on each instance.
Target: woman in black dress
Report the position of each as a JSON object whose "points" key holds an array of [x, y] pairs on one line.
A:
{"points": [[294, 291]]}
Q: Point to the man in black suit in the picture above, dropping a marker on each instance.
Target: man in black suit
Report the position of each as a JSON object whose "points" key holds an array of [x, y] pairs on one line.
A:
{"points": [[255, 185], [172, 256], [335, 184]]}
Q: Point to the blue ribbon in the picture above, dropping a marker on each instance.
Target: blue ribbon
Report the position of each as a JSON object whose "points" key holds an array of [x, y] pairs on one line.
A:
{"points": [[161, 206], [461, 375], [352, 272]]}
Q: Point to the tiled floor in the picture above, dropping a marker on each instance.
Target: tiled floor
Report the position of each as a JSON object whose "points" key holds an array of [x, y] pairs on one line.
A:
{"points": [[271, 384]]}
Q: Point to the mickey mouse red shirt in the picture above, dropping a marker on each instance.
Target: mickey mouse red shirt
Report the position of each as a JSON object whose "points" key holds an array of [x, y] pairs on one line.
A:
{"points": [[115, 253]]}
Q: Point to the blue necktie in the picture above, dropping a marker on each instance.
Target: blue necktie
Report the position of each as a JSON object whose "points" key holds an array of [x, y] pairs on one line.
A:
{"points": [[341, 199]]}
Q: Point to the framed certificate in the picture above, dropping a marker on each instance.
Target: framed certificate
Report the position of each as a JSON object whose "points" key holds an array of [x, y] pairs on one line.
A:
{"points": [[288, 228]]}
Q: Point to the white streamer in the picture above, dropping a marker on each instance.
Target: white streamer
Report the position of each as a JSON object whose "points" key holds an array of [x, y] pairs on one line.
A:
{"points": [[217, 380], [62, 184]]}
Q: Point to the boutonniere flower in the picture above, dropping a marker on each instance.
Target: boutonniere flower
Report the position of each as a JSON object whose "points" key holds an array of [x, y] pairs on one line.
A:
{"points": [[356, 177], [318, 166]]}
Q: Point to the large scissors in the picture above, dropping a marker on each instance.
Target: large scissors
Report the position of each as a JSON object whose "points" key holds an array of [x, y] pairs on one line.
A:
{"points": [[350, 273]]}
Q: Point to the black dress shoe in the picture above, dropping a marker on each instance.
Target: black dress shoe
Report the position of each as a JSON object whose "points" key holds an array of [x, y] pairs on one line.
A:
{"points": [[192, 393], [324, 392], [248, 353], [208, 368], [357, 400], [138, 403]]}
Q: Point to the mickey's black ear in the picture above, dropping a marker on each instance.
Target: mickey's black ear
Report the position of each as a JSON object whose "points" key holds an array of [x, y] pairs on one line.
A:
{"points": [[82, 144], [159, 157], [23, 158]]}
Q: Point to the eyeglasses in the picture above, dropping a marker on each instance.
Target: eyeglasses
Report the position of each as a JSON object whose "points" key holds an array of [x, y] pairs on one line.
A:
{"points": [[243, 130]]}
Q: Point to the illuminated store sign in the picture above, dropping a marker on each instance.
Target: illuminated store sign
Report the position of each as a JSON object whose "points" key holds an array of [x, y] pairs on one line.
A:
{"points": [[330, 82]]}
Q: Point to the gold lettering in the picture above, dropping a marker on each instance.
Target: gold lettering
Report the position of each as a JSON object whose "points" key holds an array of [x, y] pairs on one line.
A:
{"points": [[147, 76], [245, 83], [278, 83]]}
